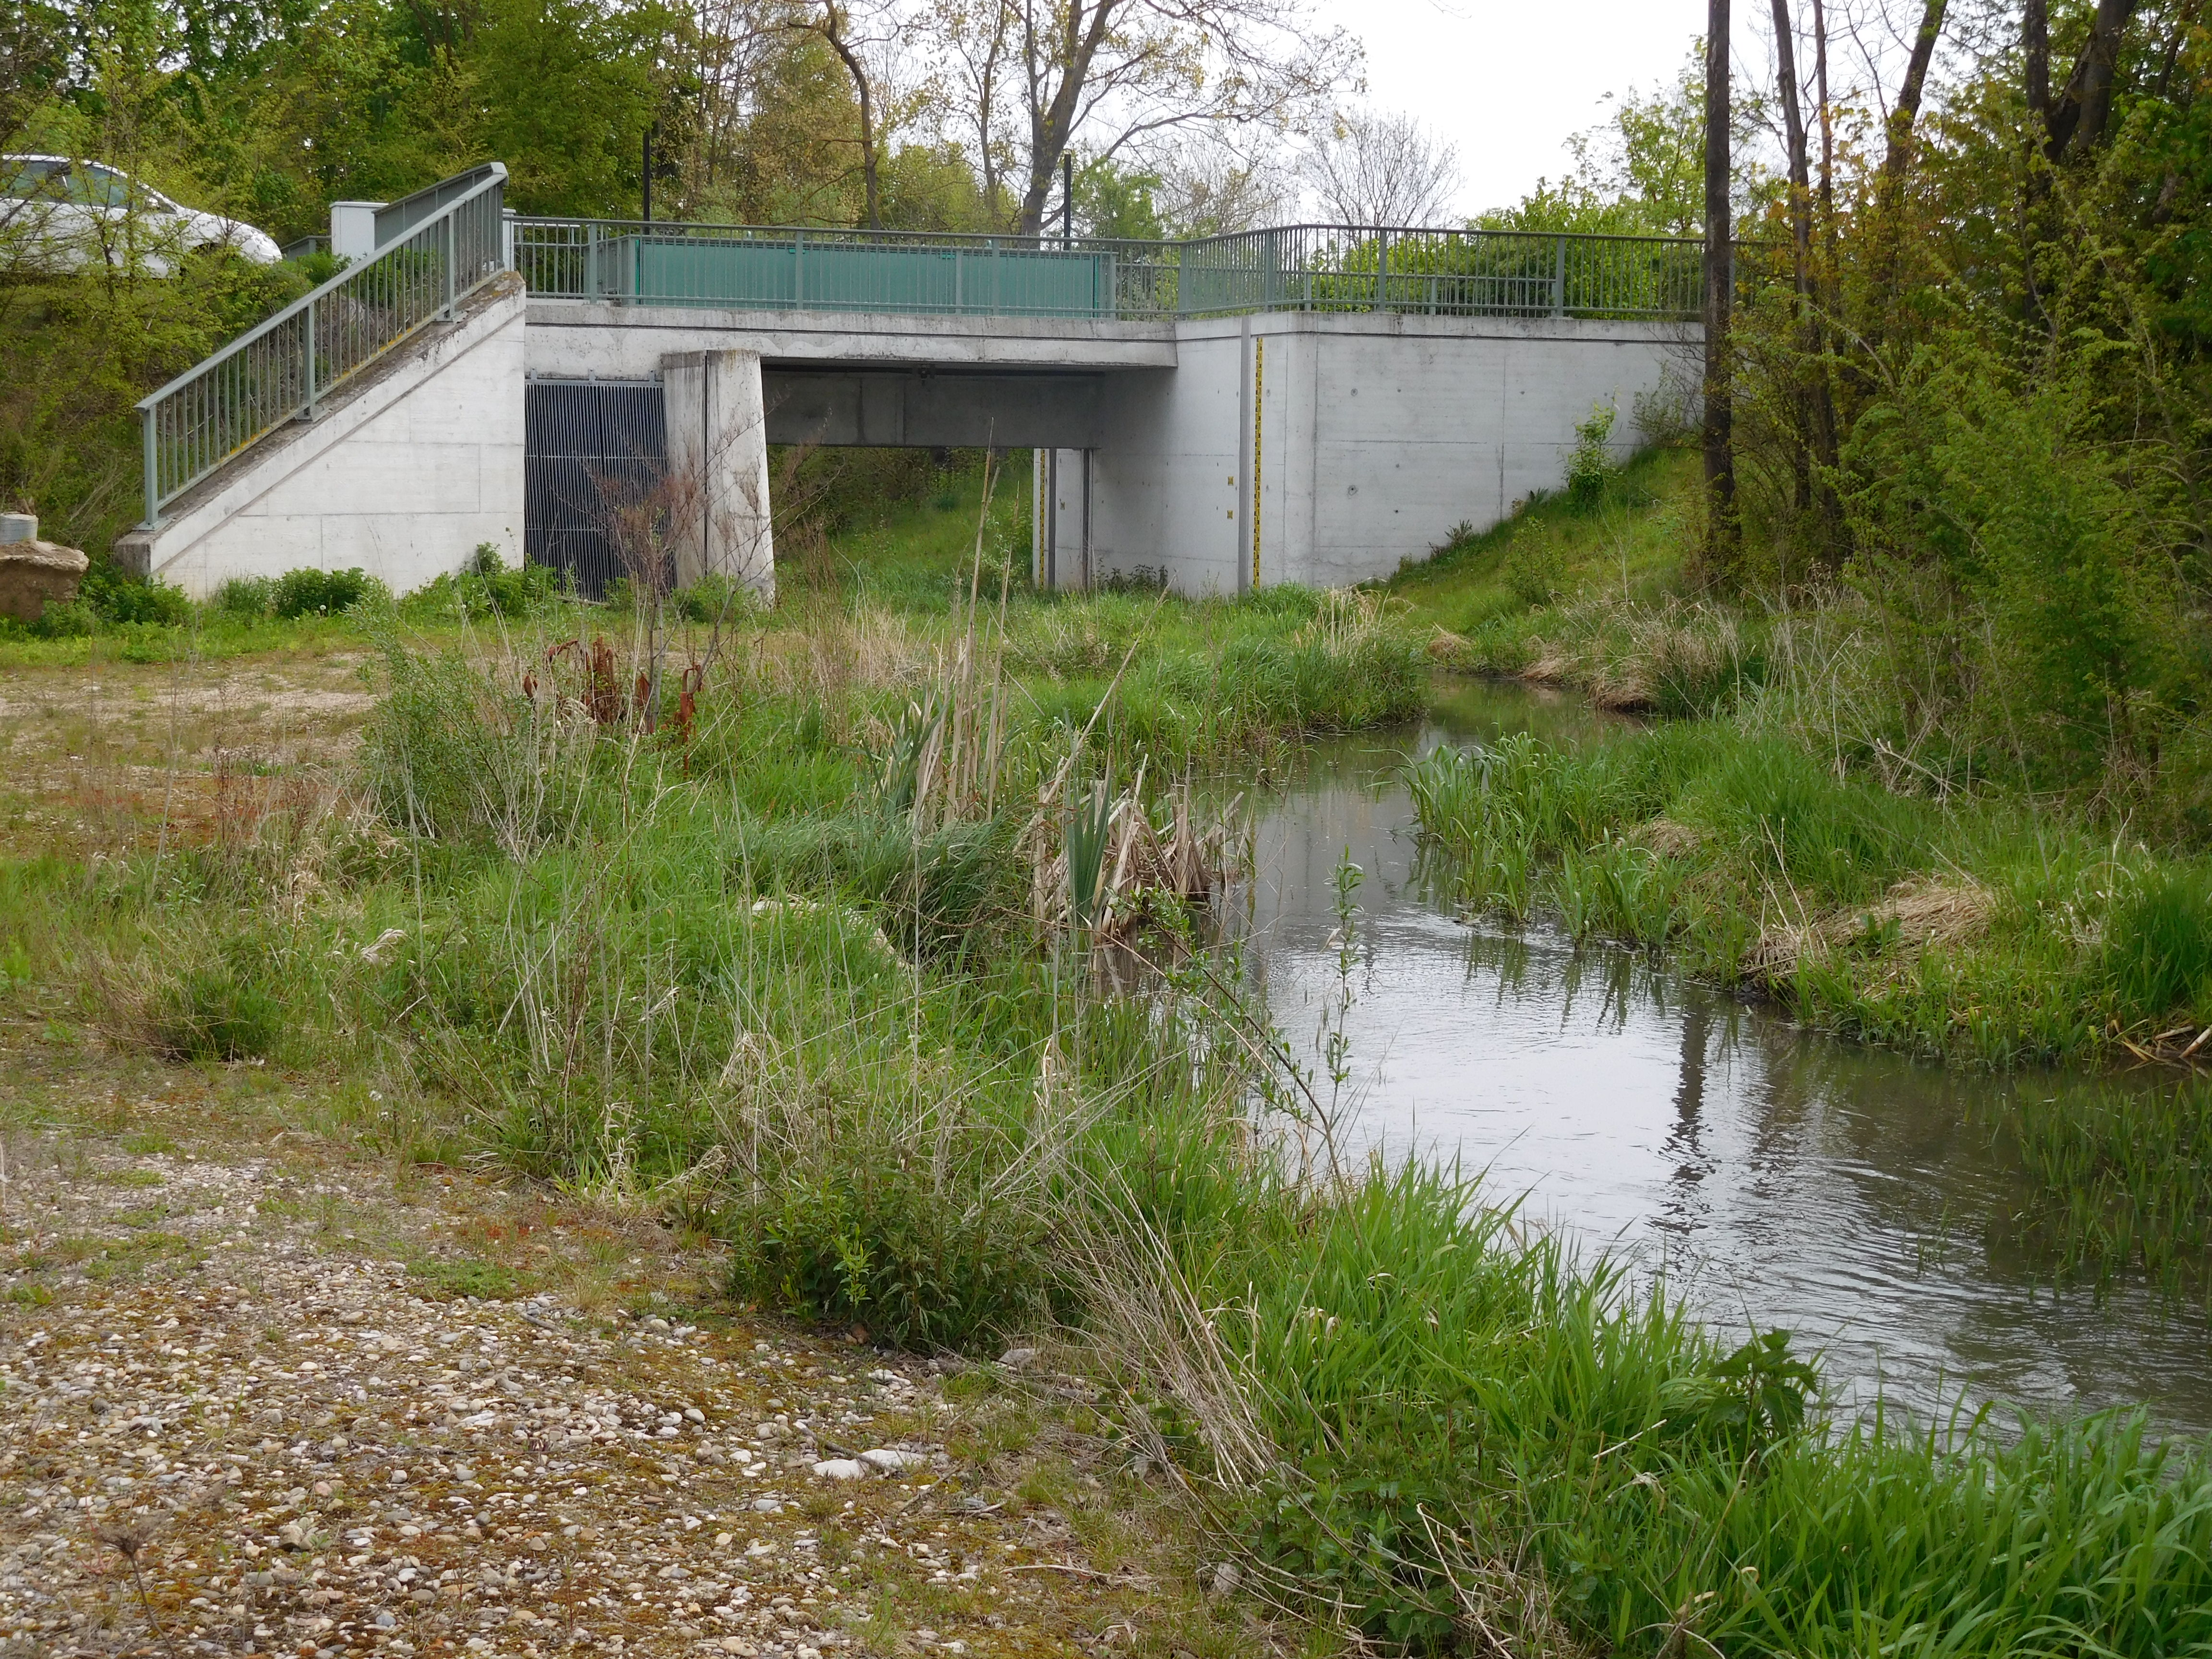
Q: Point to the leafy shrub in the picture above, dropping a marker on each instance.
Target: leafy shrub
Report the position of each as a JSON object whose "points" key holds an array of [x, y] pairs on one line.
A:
{"points": [[71, 620], [1531, 570], [246, 596], [486, 588], [1591, 463], [873, 1241], [107, 599], [713, 598], [116, 597], [307, 592]]}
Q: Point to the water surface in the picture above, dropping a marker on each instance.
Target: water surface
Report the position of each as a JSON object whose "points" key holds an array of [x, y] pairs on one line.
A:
{"points": [[1777, 1177]]}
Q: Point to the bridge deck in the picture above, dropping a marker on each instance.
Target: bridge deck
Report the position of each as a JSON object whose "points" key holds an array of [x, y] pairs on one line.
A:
{"points": [[614, 342]]}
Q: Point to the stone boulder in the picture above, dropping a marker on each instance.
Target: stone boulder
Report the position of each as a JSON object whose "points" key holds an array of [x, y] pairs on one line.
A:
{"points": [[34, 574]]}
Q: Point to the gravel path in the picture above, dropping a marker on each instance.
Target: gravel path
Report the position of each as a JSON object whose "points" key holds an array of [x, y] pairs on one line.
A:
{"points": [[248, 1404]]}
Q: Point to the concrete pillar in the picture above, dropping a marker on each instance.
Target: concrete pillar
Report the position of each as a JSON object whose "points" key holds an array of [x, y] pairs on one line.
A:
{"points": [[719, 513], [1066, 519]]}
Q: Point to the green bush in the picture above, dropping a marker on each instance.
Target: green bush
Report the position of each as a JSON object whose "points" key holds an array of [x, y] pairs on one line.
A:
{"points": [[247, 596], [1590, 466], [487, 588], [323, 593], [121, 600]]}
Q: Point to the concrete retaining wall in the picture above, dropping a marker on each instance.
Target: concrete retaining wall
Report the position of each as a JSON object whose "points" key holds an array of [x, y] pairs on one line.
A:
{"points": [[1374, 435], [403, 475]]}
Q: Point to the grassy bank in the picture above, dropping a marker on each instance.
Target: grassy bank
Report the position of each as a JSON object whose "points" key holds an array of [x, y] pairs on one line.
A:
{"points": [[1772, 827], [1778, 821], [810, 948]]}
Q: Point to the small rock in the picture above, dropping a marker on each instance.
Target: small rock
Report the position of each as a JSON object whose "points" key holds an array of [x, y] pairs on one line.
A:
{"points": [[1015, 1359], [890, 1461], [1227, 1578], [841, 1469]]}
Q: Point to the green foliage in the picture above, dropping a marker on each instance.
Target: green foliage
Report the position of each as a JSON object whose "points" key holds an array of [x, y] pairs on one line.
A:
{"points": [[466, 1276], [2068, 618], [1591, 463], [1117, 202], [2157, 948], [222, 1008], [116, 597], [107, 601], [486, 588], [301, 593], [715, 599]]}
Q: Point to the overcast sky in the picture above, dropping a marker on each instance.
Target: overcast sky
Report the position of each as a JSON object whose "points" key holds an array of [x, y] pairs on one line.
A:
{"points": [[1507, 82]]}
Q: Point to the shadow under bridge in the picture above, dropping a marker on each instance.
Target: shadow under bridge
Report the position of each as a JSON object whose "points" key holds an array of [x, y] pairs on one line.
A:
{"points": [[619, 471]]}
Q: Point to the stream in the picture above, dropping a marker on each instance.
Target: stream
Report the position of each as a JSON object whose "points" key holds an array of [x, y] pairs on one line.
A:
{"points": [[1774, 1176]]}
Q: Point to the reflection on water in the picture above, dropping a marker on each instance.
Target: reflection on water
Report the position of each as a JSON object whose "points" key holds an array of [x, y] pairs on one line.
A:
{"points": [[1777, 1177]]}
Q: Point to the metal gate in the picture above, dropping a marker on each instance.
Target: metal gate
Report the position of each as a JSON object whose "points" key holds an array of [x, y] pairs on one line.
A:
{"points": [[594, 454]]}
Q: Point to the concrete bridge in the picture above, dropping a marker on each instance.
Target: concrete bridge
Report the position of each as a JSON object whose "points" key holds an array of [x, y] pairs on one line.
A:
{"points": [[1306, 404]]}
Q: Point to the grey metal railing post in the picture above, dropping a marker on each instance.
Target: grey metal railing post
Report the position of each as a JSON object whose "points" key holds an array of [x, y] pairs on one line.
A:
{"points": [[798, 271], [451, 250], [310, 355], [150, 438], [1382, 269], [1559, 277]]}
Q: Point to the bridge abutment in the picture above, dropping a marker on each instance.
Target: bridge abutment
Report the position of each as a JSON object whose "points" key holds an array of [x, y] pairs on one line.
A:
{"points": [[720, 517]]}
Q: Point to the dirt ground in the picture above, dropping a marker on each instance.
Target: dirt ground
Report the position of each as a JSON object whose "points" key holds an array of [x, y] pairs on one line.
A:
{"points": [[95, 756], [266, 1388]]}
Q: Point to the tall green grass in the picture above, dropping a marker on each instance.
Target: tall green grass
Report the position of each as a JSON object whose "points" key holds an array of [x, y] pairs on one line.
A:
{"points": [[1969, 930]]}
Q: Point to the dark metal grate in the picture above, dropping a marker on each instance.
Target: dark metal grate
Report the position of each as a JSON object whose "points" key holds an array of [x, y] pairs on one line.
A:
{"points": [[593, 452]]}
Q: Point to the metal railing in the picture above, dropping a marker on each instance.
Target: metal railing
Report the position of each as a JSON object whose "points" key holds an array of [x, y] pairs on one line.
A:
{"points": [[448, 243], [1287, 268]]}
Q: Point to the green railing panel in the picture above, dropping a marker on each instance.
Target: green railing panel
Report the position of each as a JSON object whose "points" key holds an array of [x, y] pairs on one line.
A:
{"points": [[757, 273]]}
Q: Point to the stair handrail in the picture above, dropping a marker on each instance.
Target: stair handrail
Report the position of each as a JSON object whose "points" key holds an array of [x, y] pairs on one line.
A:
{"points": [[279, 371]]}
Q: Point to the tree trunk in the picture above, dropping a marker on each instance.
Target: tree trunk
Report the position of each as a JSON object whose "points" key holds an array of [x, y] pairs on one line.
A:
{"points": [[2077, 119], [1906, 110], [832, 29], [1800, 232], [2035, 52], [1723, 546], [1827, 116], [2035, 48], [1817, 443]]}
